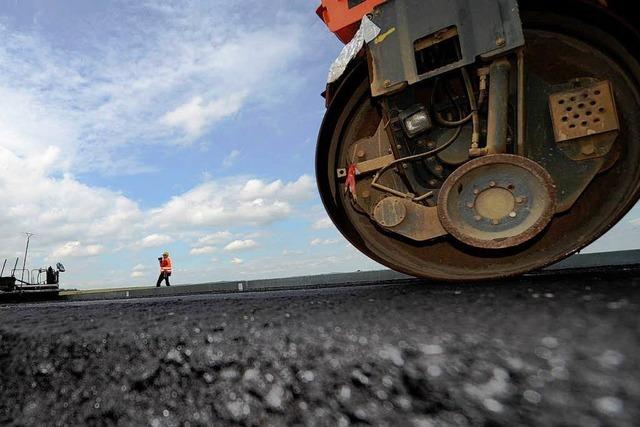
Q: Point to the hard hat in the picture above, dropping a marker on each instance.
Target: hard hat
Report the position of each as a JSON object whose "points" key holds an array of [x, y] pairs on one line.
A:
{"points": [[165, 254]]}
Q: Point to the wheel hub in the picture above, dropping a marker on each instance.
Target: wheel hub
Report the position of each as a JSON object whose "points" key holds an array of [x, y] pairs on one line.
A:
{"points": [[497, 201], [494, 204]]}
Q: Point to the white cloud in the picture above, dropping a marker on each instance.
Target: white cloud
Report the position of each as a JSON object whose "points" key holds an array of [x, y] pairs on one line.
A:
{"points": [[230, 159], [58, 209], [154, 241], [288, 252], [215, 238], [302, 188], [76, 250], [62, 210], [240, 245], [318, 241], [195, 116], [138, 274], [203, 250], [139, 267], [188, 69], [237, 261], [322, 224], [232, 202]]}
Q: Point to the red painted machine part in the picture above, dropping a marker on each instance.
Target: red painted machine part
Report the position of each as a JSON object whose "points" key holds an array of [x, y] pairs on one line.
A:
{"points": [[342, 20]]}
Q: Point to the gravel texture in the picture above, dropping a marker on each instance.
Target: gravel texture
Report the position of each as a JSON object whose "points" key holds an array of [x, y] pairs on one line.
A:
{"points": [[548, 351]]}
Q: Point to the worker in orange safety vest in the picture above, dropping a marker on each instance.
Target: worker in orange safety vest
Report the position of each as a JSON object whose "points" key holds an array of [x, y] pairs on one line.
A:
{"points": [[165, 269]]}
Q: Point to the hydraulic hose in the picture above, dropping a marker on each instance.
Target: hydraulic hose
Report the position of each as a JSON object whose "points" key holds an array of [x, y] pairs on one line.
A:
{"points": [[475, 116]]}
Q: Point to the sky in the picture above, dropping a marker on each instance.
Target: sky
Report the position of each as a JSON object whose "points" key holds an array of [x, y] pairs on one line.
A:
{"points": [[132, 127]]}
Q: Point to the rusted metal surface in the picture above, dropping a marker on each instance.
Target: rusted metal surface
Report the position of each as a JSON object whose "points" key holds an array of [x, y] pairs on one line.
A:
{"points": [[590, 147], [412, 220], [603, 202], [585, 121], [433, 39], [367, 153], [495, 30], [375, 164], [390, 212], [584, 112], [544, 78], [497, 201]]}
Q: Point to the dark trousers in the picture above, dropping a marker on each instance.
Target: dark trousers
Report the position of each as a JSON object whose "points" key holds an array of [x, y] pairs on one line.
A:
{"points": [[163, 276]]}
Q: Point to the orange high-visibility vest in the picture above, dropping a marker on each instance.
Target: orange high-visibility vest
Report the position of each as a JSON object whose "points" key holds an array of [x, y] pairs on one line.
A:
{"points": [[165, 265]]}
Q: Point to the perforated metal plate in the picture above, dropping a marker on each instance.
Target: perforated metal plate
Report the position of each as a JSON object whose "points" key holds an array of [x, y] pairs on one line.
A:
{"points": [[583, 112]]}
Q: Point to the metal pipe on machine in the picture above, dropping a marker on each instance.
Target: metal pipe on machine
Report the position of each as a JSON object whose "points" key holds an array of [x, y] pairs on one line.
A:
{"points": [[497, 120]]}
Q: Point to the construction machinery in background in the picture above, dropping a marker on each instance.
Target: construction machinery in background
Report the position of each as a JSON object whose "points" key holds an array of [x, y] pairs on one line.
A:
{"points": [[37, 281], [478, 139]]}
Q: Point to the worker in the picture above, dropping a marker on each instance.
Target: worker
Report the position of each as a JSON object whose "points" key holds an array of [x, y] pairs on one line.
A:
{"points": [[165, 269]]}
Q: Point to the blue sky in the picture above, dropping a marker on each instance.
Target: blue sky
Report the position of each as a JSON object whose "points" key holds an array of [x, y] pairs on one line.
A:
{"points": [[128, 128]]}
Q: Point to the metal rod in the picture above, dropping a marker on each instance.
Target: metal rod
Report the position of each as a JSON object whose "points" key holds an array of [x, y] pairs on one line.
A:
{"points": [[3, 265], [15, 266], [522, 117], [376, 177], [26, 250], [497, 122]]}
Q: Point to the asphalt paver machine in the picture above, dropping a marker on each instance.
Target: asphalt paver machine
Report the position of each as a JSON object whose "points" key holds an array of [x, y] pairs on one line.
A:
{"points": [[37, 281]]}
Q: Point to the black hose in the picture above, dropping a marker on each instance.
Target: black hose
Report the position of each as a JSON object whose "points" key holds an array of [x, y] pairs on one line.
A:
{"points": [[374, 182]]}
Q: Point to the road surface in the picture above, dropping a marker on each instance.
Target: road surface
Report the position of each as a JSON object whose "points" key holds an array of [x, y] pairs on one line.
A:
{"points": [[558, 350]]}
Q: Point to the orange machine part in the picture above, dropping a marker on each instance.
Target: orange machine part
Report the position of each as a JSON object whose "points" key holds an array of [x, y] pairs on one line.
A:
{"points": [[343, 20]]}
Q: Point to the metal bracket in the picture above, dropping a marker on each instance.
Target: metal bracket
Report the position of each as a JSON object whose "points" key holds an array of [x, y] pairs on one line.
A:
{"points": [[408, 219]]}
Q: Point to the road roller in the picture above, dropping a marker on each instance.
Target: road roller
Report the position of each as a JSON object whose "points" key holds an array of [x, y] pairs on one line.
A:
{"points": [[472, 140]]}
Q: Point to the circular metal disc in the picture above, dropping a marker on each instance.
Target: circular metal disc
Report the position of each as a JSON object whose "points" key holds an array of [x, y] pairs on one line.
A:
{"points": [[390, 212], [497, 201]]}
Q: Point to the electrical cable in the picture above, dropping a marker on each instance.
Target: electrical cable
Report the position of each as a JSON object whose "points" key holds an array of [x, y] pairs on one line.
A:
{"points": [[441, 120], [475, 138], [374, 182]]}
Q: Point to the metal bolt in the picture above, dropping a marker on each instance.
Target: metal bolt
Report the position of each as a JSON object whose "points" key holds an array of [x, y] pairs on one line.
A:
{"points": [[492, 184], [405, 166], [399, 147], [495, 222], [477, 218], [519, 200], [500, 41], [588, 150], [476, 191], [513, 214], [433, 183], [387, 83], [470, 205], [360, 153]]}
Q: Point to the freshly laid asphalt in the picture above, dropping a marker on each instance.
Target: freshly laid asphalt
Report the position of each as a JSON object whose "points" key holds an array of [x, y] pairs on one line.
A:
{"points": [[557, 350]]}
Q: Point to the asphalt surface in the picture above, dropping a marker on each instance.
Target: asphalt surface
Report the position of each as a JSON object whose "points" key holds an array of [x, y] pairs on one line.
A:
{"points": [[534, 351]]}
